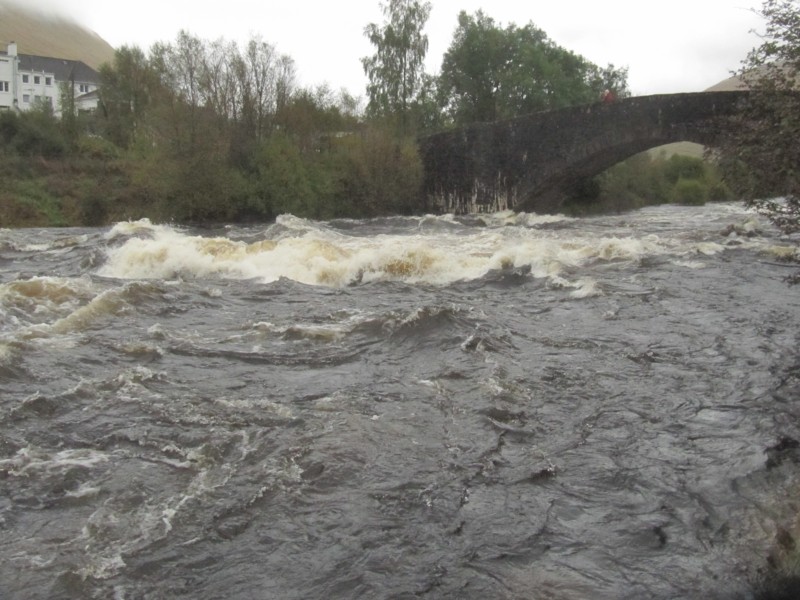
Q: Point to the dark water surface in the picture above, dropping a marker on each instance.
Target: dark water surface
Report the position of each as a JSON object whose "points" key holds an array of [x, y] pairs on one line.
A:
{"points": [[504, 407]]}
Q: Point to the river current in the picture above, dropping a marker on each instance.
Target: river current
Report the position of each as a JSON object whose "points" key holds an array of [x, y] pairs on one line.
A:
{"points": [[495, 406]]}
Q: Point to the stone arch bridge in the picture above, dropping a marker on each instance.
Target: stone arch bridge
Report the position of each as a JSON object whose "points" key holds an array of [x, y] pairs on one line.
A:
{"points": [[532, 162]]}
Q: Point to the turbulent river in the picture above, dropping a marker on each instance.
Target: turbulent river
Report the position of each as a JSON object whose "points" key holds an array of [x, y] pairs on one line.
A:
{"points": [[503, 406]]}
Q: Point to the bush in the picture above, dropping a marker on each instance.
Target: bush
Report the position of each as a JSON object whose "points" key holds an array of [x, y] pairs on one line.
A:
{"points": [[719, 192], [680, 166], [689, 192], [34, 133], [380, 174], [97, 148], [9, 127], [646, 179], [33, 194], [283, 180]]}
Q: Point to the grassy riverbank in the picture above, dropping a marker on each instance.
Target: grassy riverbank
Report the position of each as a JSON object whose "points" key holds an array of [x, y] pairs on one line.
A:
{"points": [[96, 184], [53, 180], [56, 192]]}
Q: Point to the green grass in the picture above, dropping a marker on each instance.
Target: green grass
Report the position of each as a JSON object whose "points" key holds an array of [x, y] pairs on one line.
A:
{"points": [[34, 195]]}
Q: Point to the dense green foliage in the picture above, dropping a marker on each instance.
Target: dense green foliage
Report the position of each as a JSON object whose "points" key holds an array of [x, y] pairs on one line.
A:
{"points": [[198, 131], [761, 156], [646, 179], [38, 133], [492, 72], [395, 70]]}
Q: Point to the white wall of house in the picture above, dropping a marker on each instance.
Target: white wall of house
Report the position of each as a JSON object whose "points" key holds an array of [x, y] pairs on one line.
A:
{"points": [[8, 78], [36, 88], [24, 89]]}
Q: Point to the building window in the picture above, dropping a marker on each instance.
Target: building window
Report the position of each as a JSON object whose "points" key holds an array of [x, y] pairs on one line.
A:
{"points": [[48, 81], [37, 79], [26, 98], [83, 88], [3, 86], [25, 79]]}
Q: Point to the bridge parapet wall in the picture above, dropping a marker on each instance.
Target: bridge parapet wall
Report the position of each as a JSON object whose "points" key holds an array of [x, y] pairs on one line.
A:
{"points": [[528, 162]]}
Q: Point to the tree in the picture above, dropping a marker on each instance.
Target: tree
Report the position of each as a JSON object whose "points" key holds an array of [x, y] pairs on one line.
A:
{"points": [[395, 71], [491, 72], [258, 74], [314, 116], [379, 172], [126, 89], [218, 82], [759, 155], [180, 67]]}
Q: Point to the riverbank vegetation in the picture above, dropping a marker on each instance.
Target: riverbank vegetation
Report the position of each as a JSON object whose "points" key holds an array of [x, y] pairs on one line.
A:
{"points": [[760, 154], [208, 131], [647, 179]]}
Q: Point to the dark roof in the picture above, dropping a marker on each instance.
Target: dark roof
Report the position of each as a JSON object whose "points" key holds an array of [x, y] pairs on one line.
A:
{"points": [[63, 69]]}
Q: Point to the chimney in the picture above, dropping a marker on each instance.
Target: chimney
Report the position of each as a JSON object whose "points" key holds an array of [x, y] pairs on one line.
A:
{"points": [[12, 49]]}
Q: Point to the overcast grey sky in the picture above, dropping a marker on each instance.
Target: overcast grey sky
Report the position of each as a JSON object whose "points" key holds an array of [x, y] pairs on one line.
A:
{"points": [[674, 46]]}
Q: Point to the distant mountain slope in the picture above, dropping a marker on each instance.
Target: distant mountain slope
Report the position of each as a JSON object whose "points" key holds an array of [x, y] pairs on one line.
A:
{"points": [[54, 36], [731, 84]]}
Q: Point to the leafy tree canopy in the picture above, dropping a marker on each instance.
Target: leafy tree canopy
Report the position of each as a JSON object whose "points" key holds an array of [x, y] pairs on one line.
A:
{"points": [[493, 72], [395, 71], [760, 156]]}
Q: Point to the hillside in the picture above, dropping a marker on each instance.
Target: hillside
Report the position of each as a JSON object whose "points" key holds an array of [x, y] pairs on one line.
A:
{"points": [[731, 84], [54, 36]]}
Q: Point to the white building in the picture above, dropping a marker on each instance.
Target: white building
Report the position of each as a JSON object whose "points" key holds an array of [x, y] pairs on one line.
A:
{"points": [[27, 81]]}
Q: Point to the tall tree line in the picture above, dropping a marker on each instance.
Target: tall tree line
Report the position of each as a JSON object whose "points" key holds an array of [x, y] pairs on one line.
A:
{"points": [[196, 83], [213, 130]]}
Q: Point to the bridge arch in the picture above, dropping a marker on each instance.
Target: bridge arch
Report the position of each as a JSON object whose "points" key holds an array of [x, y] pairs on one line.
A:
{"points": [[530, 162]]}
